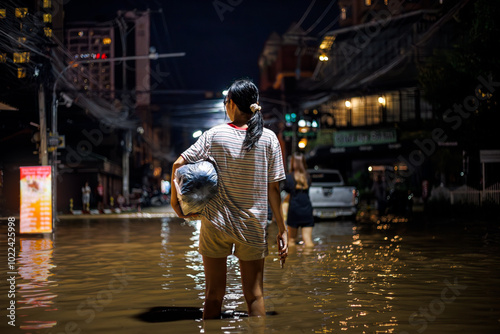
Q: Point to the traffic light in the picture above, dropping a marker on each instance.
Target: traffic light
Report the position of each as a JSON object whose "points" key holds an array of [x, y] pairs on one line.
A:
{"points": [[308, 124]]}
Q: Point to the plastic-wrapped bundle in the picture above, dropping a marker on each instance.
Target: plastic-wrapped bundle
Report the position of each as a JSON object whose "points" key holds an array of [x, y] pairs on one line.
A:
{"points": [[196, 185]]}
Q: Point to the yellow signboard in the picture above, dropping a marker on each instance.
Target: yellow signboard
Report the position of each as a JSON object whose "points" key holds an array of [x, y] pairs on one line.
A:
{"points": [[36, 200]]}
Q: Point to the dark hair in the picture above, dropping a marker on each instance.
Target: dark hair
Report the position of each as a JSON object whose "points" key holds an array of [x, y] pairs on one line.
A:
{"points": [[243, 92]]}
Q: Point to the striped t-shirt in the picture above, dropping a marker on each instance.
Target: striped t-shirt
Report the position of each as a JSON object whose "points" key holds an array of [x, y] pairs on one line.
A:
{"points": [[240, 206]]}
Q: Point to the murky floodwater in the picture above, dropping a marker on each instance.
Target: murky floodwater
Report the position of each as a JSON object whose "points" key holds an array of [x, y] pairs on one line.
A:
{"points": [[95, 276]]}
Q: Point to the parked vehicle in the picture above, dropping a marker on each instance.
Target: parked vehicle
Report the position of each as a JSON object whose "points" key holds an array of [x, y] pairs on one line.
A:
{"points": [[330, 197]]}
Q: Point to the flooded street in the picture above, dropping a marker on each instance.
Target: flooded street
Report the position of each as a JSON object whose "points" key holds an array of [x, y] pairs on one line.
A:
{"points": [[97, 275]]}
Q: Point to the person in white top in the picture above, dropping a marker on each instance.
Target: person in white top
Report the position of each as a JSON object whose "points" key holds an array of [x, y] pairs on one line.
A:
{"points": [[249, 165], [86, 197]]}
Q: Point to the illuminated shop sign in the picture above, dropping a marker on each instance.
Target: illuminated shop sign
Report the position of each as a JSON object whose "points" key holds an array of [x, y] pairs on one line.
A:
{"points": [[364, 137], [91, 56], [36, 199]]}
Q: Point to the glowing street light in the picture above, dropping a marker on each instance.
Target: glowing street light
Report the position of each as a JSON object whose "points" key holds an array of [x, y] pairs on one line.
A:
{"points": [[303, 143]]}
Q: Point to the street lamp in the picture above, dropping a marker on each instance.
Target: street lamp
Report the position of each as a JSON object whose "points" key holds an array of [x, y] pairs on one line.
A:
{"points": [[383, 108], [348, 105], [55, 102]]}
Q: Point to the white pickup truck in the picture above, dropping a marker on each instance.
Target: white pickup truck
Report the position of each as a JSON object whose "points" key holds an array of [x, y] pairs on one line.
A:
{"points": [[330, 197]]}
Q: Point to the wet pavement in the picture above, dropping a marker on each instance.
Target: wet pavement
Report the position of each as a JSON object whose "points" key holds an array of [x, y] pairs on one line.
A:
{"points": [[97, 273]]}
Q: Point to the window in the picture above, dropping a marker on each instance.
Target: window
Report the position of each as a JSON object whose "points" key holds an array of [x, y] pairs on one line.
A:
{"points": [[368, 2], [21, 73], [3, 57], [47, 31], [21, 40], [21, 12], [47, 18], [2, 13], [21, 57], [47, 3]]}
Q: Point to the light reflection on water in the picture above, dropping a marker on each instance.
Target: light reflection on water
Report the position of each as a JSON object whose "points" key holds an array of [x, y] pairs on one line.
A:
{"points": [[94, 276]]}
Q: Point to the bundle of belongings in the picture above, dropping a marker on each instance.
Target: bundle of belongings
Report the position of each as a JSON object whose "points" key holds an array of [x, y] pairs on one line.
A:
{"points": [[196, 184]]}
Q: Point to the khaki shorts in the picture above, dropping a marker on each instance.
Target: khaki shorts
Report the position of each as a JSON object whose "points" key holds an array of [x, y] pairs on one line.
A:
{"points": [[217, 244]]}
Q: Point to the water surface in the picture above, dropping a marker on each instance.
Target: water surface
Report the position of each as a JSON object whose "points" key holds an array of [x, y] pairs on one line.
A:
{"points": [[95, 276]]}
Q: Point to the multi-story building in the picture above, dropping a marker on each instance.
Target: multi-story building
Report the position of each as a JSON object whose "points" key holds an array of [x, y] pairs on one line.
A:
{"points": [[29, 30], [91, 42], [123, 85], [365, 87]]}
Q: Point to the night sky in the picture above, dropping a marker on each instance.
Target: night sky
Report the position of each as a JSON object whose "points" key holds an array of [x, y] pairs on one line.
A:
{"points": [[220, 45]]}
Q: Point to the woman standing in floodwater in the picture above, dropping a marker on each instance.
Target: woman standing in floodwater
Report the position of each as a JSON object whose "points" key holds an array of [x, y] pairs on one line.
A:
{"points": [[300, 212], [249, 165]]}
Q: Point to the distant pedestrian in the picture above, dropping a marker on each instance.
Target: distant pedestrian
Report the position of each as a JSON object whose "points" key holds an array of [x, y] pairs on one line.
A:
{"points": [[300, 212], [100, 196], [249, 165], [121, 201], [380, 192], [86, 197]]}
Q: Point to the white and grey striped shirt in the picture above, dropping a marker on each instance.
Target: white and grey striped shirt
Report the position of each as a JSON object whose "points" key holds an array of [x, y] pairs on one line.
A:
{"points": [[240, 206]]}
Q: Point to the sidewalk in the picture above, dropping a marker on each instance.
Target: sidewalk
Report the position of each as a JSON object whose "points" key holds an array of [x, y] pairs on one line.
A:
{"points": [[149, 212]]}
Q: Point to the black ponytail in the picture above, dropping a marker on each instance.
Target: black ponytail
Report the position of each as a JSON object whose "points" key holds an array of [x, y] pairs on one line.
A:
{"points": [[244, 93]]}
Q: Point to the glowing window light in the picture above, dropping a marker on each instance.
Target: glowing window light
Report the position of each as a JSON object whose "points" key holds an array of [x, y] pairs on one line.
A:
{"points": [[21, 12], [21, 73], [21, 57], [47, 18]]}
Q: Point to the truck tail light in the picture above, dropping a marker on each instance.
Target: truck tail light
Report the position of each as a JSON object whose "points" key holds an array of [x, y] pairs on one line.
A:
{"points": [[355, 195]]}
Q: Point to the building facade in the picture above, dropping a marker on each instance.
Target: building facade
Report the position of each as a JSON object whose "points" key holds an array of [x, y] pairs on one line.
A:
{"points": [[364, 89]]}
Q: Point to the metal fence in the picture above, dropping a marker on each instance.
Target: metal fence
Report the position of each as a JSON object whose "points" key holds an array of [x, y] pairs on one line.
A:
{"points": [[469, 195]]}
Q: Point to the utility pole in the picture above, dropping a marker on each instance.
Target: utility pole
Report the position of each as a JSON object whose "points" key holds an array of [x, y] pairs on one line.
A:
{"points": [[43, 126], [127, 147], [55, 104]]}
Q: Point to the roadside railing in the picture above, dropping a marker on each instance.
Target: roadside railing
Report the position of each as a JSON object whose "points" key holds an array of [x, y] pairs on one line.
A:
{"points": [[469, 195]]}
